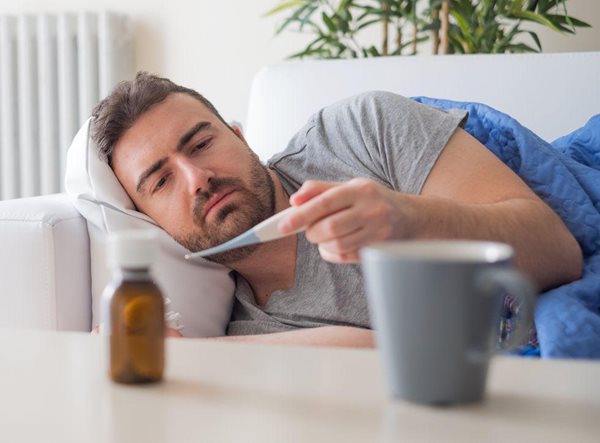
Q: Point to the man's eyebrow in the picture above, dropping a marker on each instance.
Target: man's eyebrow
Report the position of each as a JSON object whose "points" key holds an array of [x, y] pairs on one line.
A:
{"points": [[185, 138], [148, 172]]}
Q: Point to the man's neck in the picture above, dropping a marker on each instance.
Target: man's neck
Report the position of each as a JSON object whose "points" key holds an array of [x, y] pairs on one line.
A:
{"points": [[272, 266]]}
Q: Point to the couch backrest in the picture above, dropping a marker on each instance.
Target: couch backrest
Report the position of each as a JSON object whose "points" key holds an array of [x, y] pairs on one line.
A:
{"points": [[551, 94]]}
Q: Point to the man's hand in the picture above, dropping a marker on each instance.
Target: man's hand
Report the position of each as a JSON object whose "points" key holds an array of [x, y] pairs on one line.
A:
{"points": [[334, 336], [168, 332], [343, 217]]}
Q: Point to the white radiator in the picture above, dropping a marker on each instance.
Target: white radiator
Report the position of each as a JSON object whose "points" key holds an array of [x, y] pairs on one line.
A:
{"points": [[53, 70]]}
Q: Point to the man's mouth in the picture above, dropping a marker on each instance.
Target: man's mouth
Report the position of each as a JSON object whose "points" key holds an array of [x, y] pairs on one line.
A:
{"points": [[216, 201]]}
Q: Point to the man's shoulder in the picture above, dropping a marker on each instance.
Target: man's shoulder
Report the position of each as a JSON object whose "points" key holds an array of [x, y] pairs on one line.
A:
{"points": [[340, 140], [368, 99]]}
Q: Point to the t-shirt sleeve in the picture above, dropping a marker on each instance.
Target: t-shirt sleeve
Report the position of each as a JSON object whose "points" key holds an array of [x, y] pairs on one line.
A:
{"points": [[381, 135]]}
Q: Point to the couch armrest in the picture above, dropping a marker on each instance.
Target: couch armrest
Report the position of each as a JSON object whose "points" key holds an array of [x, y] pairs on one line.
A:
{"points": [[44, 265]]}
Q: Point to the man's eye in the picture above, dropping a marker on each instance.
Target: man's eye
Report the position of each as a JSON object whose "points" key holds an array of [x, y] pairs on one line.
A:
{"points": [[160, 184], [202, 145]]}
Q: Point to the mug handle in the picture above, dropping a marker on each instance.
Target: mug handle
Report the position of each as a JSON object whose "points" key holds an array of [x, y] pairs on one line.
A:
{"points": [[518, 286]]}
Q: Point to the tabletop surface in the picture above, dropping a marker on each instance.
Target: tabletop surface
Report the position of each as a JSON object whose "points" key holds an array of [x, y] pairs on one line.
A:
{"points": [[54, 388]]}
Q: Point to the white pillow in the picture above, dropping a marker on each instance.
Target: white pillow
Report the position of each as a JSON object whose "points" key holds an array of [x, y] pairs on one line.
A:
{"points": [[201, 292]]}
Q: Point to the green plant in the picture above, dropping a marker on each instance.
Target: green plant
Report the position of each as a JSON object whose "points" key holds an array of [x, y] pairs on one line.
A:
{"points": [[454, 26], [335, 26], [492, 26]]}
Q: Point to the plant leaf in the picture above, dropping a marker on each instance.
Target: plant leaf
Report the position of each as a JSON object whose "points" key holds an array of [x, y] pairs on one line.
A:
{"points": [[285, 5], [367, 23], [555, 18], [536, 39], [533, 17], [520, 47], [328, 22], [343, 6], [295, 17]]}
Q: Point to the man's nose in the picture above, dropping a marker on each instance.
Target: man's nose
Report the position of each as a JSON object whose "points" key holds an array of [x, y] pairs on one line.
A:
{"points": [[196, 178]]}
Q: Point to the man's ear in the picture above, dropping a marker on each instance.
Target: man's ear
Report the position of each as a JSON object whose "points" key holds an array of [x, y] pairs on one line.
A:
{"points": [[236, 127]]}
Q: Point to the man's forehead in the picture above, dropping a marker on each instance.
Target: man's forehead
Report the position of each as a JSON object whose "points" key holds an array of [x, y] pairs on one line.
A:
{"points": [[164, 123], [174, 112]]}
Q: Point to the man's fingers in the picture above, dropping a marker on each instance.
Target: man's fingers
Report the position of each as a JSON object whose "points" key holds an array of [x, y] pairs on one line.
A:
{"points": [[337, 225], [172, 333], [168, 332], [346, 244], [350, 257], [309, 190], [333, 199]]}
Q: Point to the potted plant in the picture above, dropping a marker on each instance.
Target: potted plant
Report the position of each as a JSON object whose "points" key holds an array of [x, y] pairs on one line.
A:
{"points": [[453, 26]]}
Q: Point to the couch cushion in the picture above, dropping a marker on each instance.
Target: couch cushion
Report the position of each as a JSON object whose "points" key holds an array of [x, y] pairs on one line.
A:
{"points": [[201, 292]]}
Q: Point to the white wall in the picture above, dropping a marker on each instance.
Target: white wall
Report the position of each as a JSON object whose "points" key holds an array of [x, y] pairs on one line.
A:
{"points": [[217, 46]]}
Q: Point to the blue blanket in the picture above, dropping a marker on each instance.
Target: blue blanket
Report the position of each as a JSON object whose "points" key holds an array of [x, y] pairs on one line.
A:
{"points": [[566, 174]]}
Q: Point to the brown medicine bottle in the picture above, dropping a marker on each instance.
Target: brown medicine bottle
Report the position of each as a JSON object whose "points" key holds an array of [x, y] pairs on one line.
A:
{"points": [[135, 306]]}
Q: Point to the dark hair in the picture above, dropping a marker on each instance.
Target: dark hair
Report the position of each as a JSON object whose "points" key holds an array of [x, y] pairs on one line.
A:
{"points": [[128, 100]]}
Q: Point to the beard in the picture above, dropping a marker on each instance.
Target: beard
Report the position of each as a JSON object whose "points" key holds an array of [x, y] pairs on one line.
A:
{"points": [[252, 205]]}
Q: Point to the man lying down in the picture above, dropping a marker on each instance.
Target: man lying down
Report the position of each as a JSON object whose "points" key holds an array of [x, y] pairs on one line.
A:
{"points": [[373, 167]]}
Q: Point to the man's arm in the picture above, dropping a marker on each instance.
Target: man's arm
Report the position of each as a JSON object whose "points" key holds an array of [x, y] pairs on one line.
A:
{"points": [[169, 332], [469, 194], [339, 336]]}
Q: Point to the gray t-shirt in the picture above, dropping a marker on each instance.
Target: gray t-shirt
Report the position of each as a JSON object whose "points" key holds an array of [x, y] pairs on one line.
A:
{"points": [[379, 135]]}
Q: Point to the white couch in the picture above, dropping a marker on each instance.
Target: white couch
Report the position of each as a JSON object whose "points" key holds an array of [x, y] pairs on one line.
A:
{"points": [[44, 244]]}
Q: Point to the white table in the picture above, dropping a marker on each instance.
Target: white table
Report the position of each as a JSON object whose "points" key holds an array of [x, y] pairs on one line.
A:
{"points": [[54, 388]]}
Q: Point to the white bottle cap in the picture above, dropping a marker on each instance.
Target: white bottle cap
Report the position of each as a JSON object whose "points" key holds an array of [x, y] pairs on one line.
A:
{"points": [[132, 249]]}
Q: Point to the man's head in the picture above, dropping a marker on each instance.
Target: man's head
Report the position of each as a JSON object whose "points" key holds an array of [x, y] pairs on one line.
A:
{"points": [[181, 164]]}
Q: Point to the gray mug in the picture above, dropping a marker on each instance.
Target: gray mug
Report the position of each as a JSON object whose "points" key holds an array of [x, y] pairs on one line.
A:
{"points": [[435, 306]]}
